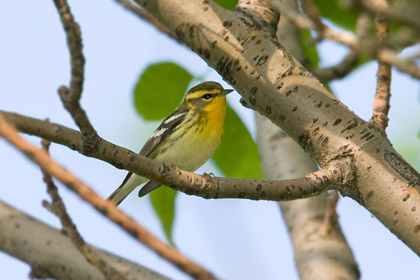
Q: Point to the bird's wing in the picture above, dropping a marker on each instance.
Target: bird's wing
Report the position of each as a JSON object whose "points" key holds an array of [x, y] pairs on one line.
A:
{"points": [[165, 129]]}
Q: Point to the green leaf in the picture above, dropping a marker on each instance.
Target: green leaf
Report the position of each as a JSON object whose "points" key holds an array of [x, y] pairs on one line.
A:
{"points": [[309, 49], [227, 4], [237, 156], [159, 90], [163, 202], [335, 11]]}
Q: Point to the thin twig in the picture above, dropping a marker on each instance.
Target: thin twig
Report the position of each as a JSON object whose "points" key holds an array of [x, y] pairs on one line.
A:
{"points": [[189, 182], [383, 84], [70, 96], [298, 19], [58, 208], [349, 62], [312, 12], [105, 207], [339, 70], [74, 43]]}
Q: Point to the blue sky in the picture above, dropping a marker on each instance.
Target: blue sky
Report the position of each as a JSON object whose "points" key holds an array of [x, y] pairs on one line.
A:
{"points": [[236, 239]]}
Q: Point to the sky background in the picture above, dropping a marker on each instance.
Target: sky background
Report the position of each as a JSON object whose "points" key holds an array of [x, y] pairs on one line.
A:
{"points": [[235, 239]]}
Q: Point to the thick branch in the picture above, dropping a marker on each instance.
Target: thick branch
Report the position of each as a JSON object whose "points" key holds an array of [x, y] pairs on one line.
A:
{"points": [[51, 254], [331, 218]]}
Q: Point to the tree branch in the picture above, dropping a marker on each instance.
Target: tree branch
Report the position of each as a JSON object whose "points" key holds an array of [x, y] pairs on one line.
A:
{"points": [[383, 84], [205, 186], [323, 30], [390, 12], [339, 70], [317, 256], [58, 208], [331, 217], [105, 207], [70, 96], [312, 12], [349, 62], [52, 255], [74, 43], [404, 65]]}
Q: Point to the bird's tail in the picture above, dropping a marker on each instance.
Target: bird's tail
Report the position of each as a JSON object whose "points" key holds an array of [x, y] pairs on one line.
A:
{"points": [[128, 185], [152, 185]]}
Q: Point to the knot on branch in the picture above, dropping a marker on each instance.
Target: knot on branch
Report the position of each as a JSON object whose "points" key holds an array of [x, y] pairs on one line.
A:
{"points": [[90, 142], [403, 168], [343, 171], [90, 137]]}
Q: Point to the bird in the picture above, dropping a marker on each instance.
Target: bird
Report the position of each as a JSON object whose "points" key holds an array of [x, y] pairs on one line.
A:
{"points": [[187, 138]]}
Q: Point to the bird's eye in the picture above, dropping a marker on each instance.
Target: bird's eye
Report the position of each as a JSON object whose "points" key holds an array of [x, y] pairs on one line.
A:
{"points": [[206, 96]]}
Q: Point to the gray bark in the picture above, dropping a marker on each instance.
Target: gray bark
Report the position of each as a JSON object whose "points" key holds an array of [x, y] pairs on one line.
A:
{"points": [[51, 254]]}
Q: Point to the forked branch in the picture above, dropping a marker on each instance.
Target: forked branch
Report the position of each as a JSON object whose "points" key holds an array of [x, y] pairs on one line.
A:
{"points": [[70, 96]]}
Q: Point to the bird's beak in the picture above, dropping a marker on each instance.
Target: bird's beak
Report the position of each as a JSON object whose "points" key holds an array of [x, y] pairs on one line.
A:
{"points": [[226, 91]]}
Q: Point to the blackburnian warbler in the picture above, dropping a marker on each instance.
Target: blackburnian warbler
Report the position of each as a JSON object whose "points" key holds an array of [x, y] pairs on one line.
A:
{"points": [[187, 138]]}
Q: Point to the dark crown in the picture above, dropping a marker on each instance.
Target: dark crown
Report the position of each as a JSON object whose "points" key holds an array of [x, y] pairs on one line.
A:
{"points": [[206, 86]]}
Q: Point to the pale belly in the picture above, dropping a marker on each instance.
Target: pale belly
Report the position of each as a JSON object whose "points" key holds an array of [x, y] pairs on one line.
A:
{"points": [[194, 149]]}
